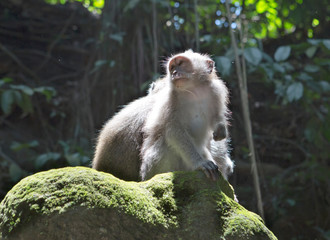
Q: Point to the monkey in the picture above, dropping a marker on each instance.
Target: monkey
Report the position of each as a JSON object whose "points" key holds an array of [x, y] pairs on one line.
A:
{"points": [[179, 127], [118, 149], [218, 145]]}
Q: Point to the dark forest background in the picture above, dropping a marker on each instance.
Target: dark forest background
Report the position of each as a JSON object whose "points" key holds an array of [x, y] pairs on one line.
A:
{"points": [[67, 66]]}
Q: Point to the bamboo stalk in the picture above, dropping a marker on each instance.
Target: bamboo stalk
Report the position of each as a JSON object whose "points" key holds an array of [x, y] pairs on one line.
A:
{"points": [[242, 80], [196, 25], [154, 33]]}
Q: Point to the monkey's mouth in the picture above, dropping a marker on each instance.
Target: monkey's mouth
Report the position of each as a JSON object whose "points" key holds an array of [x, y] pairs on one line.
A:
{"points": [[179, 79], [176, 75]]}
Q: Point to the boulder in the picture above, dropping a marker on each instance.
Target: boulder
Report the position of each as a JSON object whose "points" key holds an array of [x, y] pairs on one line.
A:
{"points": [[82, 203]]}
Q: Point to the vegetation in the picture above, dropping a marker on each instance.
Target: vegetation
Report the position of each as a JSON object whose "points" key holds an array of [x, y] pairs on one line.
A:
{"points": [[73, 68]]}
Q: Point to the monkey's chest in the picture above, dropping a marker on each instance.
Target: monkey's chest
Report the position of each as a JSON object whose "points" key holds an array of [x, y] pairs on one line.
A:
{"points": [[197, 121]]}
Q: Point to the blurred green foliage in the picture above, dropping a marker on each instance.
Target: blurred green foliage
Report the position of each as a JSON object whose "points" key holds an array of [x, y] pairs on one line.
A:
{"points": [[92, 5], [20, 98], [19, 95], [286, 49]]}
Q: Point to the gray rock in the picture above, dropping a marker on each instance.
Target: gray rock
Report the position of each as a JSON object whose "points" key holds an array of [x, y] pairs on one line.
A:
{"points": [[82, 203]]}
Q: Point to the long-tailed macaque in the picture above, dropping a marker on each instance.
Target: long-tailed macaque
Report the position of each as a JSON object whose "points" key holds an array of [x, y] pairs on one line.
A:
{"points": [[172, 128]]}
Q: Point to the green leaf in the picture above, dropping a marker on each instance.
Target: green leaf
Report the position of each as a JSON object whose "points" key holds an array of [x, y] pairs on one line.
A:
{"points": [[16, 146], [310, 52], [119, 37], [268, 70], [262, 6], [311, 68], [100, 63], [325, 86], [207, 38], [267, 57], [291, 202], [48, 92], [44, 158], [326, 43], [294, 91], [73, 159], [312, 85], [25, 104], [5, 80], [314, 41], [230, 54], [278, 68], [223, 65], [253, 55], [282, 53], [280, 88], [112, 63], [85, 160], [287, 66], [65, 146], [15, 172], [326, 129], [18, 96], [7, 100], [131, 4], [26, 89], [288, 78], [305, 77]]}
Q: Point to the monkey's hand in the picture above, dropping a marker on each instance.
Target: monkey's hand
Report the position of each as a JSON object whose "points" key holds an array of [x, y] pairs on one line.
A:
{"points": [[220, 132], [210, 169]]}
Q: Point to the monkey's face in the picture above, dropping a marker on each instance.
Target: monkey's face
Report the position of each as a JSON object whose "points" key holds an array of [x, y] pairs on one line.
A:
{"points": [[189, 69], [181, 71]]}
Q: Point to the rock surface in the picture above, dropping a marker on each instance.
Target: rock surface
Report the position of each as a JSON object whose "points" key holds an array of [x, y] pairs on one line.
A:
{"points": [[82, 203]]}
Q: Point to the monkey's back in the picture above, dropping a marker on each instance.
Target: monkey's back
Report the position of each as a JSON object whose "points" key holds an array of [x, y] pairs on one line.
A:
{"points": [[118, 145]]}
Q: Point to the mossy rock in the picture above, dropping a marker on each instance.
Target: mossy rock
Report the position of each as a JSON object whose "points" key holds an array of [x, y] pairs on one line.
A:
{"points": [[82, 203]]}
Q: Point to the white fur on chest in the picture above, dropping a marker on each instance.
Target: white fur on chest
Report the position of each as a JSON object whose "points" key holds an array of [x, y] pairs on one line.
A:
{"points": [[194, 115]]}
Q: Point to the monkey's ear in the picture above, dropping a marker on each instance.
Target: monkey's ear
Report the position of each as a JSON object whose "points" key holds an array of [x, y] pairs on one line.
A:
{"points": [[210, 66]]}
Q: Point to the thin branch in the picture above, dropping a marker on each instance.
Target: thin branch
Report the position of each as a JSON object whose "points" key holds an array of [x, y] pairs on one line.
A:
{"points": [[241, 35], [172, 24], [19, 63], [57, 39], [287, 141], [196, 25], [5, 157], [63, 76], [154, 33], [246, 113]]}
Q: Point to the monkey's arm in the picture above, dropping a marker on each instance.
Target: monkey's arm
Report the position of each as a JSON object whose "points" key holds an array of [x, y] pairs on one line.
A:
{"points": [[179, 140], [220, 96]]}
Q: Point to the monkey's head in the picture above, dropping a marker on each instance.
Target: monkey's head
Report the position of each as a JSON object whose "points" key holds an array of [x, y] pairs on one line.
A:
{"points": [[189, 69]]}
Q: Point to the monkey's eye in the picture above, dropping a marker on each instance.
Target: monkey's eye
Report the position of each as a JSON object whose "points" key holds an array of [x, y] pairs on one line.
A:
{"points": [[172, 67]]}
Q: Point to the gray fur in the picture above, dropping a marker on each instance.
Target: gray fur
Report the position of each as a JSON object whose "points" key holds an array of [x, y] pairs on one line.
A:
{"points": [[134, 145]]}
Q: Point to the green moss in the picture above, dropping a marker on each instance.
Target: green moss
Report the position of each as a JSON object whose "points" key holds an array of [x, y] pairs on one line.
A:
{"points": [[243, 224], [60, 190], [185, 203]]}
